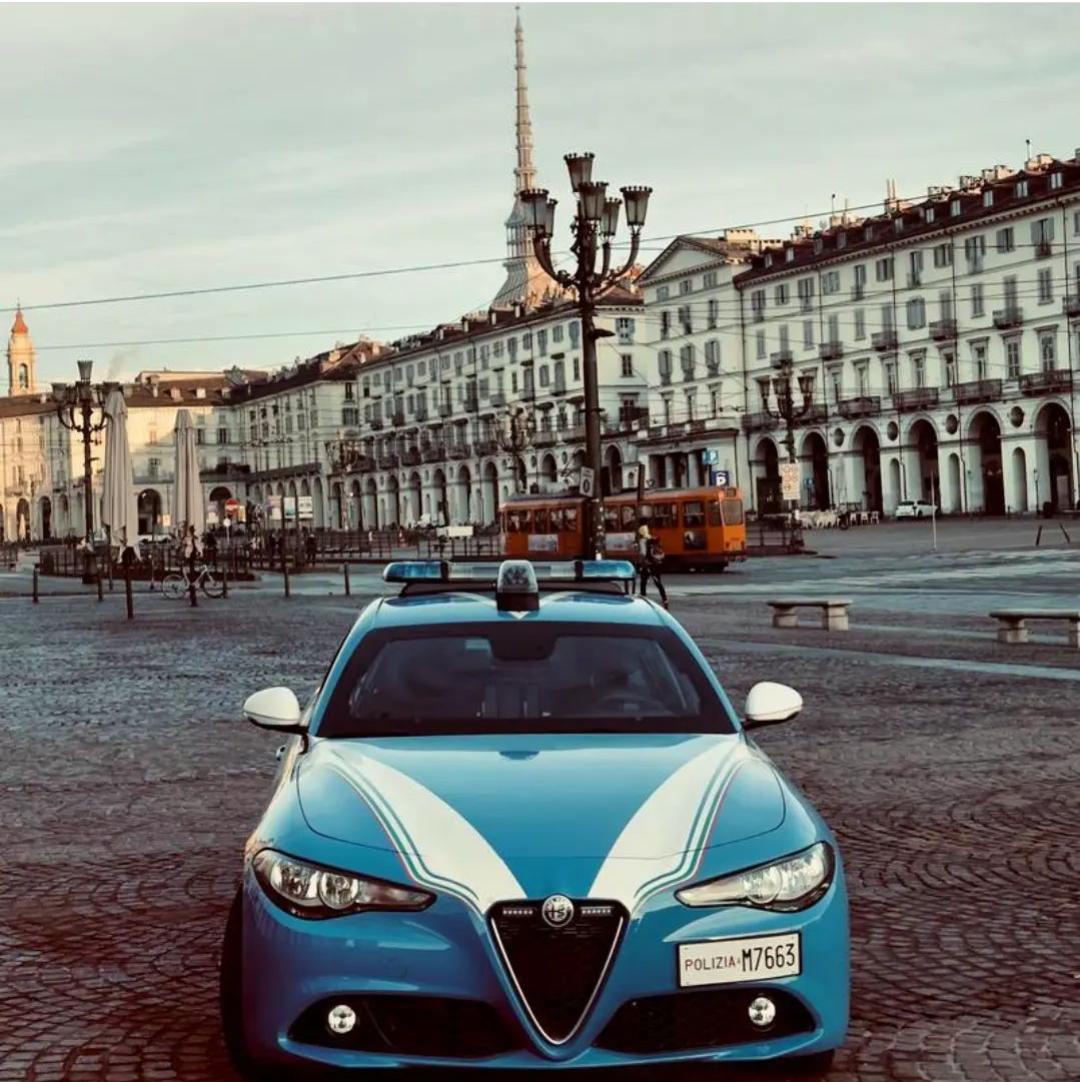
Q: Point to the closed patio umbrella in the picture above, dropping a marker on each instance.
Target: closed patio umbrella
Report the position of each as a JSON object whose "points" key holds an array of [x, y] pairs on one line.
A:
{"points": [[118, 511], [188, 505]]}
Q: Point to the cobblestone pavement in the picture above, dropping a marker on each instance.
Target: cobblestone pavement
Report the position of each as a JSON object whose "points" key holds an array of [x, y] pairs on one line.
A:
{"points": [[947, 764]]}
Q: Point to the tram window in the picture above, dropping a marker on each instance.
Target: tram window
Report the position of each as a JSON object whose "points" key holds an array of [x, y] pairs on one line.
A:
{"points": [[628, 516], [540, 520], [660, 514], [732, 511], [518, 522], [714, 513], [693, 513], [611, 518], [555, 516], [570, 519]]}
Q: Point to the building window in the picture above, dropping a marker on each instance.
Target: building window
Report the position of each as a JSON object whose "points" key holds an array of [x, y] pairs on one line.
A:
{"points": [[624, 328], [757, 304], [153, 467], [808, 334], [805, 288], [665, 323], [1012, 358], [860, 281], [1048, 351], [662, 293], [350, 416], [1021, 189], [918, 371], [978, 359], [945, 303], [350, 392], [685, 321], [716, 395], [1076, 223], [686, 285], [712, 357], [1056, 181], [627, 365], [890, 377], [916, 313], [1046, 286], [841, 239], [782, 294], [834, 328], [862, 378], [714, 312], [950, 368], [830, 282], [955, 208], [988, 197], [541, 343], [1004, 240], [836, 378], [687, 361], [943, 255], [931, 214], [763, 391], [1042, 235], [557, 333], [977, 300], [545, 376], [223, 435], [915, 257], [663, 360], [860, 323], [789, 255], [760, 345], [577, 369], [974, 250], [709, 280]]}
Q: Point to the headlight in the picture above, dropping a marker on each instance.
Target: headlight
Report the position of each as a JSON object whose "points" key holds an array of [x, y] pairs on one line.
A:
{"points": [[792, 883], [307, 890]]}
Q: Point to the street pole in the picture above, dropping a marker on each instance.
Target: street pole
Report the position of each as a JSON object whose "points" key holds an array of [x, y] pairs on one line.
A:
{"points": [[594, 226]]}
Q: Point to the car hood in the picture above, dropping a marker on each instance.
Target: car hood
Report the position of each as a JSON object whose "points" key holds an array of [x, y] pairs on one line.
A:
{"points": [[485, 812]]}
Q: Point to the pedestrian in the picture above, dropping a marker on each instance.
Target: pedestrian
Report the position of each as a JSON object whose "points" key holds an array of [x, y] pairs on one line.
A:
{"points": [[311, 547], [211, 547], [193, 550], [650, 557]]}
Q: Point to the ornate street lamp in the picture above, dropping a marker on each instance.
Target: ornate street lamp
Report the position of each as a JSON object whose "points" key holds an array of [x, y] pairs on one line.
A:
{"points": [[787, 409], [596, 220], [514, 435], [75, 406]]}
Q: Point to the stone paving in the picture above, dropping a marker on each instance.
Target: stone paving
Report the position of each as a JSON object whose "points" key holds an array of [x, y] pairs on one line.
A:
{"points": [[127, 785]]}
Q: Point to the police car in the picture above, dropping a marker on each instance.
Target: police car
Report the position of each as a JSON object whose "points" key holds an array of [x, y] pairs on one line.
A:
{"points": [[520, 825]]}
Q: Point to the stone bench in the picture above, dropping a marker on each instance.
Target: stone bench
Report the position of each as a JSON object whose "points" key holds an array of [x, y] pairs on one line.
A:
{"points": [[1013, 623], [834, 611]]}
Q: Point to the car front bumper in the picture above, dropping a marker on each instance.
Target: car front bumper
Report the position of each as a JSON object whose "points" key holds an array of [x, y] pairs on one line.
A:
{"points": [[445, 958]]}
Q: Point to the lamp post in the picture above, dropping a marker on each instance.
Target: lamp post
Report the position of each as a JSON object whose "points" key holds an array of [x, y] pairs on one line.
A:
{"points": [[514, 435], [75, 406], [595, 223], [787, 409]]}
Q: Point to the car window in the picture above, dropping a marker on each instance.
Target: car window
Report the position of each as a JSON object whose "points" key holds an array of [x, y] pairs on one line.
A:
{"points": [[525, 677]]}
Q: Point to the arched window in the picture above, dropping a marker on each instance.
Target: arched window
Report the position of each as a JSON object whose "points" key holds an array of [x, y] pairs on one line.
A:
{"points": [[24, 377]]}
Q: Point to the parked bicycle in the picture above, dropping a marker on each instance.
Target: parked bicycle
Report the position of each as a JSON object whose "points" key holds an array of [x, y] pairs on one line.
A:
{"points": [[176, 584]]}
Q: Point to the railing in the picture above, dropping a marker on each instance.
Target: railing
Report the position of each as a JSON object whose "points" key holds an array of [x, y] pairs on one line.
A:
{"points": [[576, 433], [558, 387], [1048, 382], [752, 422], [411, 457], [1071, 305], [544, 438], [858, 292], [917, 399], [943, 330], [486, 446], [459, 450], [445, 409], [831, 351], [498, 399], [883, 341], [977, 390], [781, 356], [397, 419], [433, 453], [861, 406], [388, 462], [1011, 315], [1043, 249]]}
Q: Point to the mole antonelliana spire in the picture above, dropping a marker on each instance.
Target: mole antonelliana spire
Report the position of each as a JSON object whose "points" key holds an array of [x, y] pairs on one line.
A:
{"points": [[525, 280]]}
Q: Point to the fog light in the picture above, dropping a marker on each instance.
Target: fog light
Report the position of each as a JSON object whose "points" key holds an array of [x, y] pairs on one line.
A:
{"points": [[342, 1018], [762, 1011]]}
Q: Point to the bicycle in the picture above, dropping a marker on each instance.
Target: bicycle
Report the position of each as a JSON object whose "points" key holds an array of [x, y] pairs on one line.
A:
{"points": [[176, 584]]}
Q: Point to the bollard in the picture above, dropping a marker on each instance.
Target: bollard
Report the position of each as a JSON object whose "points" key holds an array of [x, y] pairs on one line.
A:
{"points": [[225, 580], [127, 592], [285, 574], [100, 592], [36, 586], [191, 594], [344, 567]]}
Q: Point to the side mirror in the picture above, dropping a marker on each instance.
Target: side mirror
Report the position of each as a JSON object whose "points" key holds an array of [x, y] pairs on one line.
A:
{"points": [[274, 708], [770, 704]]}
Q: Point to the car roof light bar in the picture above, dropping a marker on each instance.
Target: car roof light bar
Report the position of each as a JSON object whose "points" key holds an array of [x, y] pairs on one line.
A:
{"points": [[407, 571]]}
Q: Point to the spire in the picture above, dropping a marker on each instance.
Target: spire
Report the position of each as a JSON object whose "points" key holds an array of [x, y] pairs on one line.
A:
{"points": [[525, 279], [19, 326], [21, 357]]}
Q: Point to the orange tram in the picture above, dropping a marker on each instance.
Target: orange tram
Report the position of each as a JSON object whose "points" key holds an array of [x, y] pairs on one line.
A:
{"points": [[698, 528]]}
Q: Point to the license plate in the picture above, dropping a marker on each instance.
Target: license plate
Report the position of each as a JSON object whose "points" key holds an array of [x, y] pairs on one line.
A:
{"points": [[728, 961]]}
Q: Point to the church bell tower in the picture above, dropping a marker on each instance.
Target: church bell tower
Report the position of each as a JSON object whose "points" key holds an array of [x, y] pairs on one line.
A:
{"points": [[21, 358]]}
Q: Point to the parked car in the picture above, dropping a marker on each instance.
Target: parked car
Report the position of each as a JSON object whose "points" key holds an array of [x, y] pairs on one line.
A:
{"points": [[914, 509], [520, 826]]}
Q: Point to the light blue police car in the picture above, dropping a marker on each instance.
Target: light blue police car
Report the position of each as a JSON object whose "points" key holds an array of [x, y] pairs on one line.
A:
{"points": [[519, 825]]}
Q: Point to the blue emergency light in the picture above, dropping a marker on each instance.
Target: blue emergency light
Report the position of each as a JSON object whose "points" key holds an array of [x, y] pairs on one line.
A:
{"points": [[406, 571]]}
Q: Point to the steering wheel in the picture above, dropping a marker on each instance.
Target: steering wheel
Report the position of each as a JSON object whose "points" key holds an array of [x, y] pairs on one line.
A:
{"points": [[617, 704]]}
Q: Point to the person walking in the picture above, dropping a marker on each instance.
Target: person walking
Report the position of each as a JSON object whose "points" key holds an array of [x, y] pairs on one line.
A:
{"points": [[193, 550], [650, 557]]}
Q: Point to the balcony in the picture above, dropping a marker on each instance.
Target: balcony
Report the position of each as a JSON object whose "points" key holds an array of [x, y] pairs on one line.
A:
{"points": [[528, 394], [977, 390], [1043, 249], [459, 450], [498, 399], [943, 330], [865, 405], [665, 379], [858, 292], [576, 434], [1007, 318], [411, 457], [831, 351], [421, 413], [433, 452], [397, 419], [365, 464], [630, 418], [914, 279], [375, 423], [883, 341], [1071, 306], [558, 387], [1053, 381], [445, 409], [471, 404], [921, 398], [760, 421], [544, 438], [388, 462], [815, 415], [781, 356], [487, 446]]}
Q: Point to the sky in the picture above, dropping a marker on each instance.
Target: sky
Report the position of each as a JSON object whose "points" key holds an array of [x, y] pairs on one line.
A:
{"points": [[165, 147]]}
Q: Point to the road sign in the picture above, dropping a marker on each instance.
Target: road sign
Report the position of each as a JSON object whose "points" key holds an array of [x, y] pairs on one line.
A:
{"points": [[585, 484], [232, 505], [306, 506], [721, 478], [789, 481], [710, 457]]}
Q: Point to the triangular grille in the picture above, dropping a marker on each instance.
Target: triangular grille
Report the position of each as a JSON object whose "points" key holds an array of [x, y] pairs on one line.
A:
{"points": [[557, 972]]}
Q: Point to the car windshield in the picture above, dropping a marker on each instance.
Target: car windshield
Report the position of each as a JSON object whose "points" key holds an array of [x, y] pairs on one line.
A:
{"points": [[522, 677]]}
